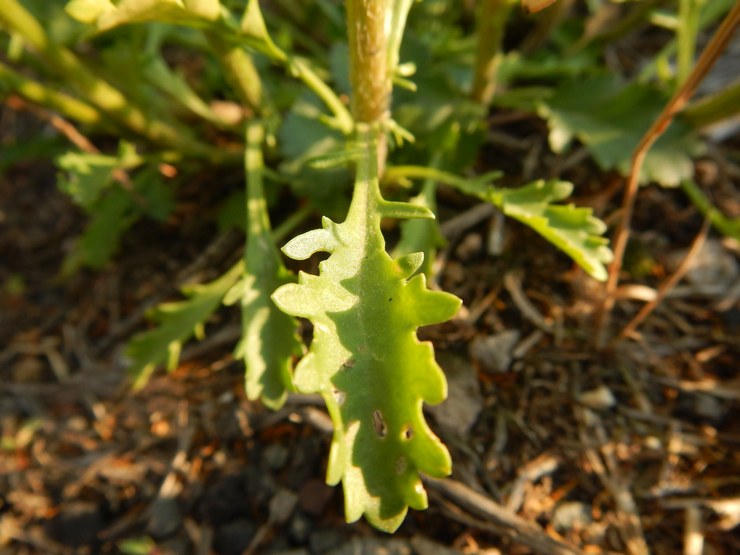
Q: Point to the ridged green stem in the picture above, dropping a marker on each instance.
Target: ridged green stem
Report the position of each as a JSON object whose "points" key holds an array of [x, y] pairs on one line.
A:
{"points": [[240, 70], [368, 67], [258, 220]]}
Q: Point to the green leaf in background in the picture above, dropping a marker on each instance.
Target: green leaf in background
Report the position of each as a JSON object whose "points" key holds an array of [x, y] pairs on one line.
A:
{"points": [[86, 175], [269, 340], [365, 359], [91, 181], [106, 15], [610, 119], [572, 229], [176, 323], [113, 215], [303, 139]]}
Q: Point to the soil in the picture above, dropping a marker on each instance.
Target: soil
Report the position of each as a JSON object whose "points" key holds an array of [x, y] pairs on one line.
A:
{"points": [[627, 449]]}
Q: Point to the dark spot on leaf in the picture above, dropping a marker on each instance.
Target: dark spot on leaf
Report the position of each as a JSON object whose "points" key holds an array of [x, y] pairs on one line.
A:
{"points": [[349, 363], [407, 432], [380, 428], [390, 299]]}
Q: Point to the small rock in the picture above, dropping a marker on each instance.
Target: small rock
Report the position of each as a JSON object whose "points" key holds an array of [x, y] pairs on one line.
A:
{"points": [[282, 506], [709, 407], [713, 265], [234, 537], [298, 528], [600, 398], [570, 515], [77, 524], [275, 456], [464, 401], [313, 496], [494, 351], [228, 499], [165, 517], [322, 541]]}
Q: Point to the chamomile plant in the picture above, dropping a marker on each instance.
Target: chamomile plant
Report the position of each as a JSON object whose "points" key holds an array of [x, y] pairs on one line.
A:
{"points": [[365, 304]]}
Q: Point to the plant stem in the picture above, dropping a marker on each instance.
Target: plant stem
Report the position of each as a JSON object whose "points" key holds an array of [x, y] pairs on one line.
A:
{"points": [[40, 94], [240, 70], [368, 68], [258, 220], [15, 18], [490, 19], [255, 33], [688, 28], [727, 226], [715, 107]]}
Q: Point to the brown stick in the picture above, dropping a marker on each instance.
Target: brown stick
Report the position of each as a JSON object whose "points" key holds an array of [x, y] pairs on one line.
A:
{"points": [[504, 521], [670, 283], [707, 59]]}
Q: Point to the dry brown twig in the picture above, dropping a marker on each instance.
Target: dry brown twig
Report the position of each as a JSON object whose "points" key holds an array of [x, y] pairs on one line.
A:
{"points": [[604, 464], [669, 283], [500, 519], [678, 102]]}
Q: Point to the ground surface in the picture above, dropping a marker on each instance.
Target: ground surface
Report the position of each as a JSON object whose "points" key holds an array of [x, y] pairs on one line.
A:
{"points": [[633, 447]]}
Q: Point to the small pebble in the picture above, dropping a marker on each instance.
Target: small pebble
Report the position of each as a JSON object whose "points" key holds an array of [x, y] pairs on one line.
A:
{"points": [[600, 398]]}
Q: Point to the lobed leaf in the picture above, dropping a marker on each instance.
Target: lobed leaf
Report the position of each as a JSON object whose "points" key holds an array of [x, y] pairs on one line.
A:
{"points": [[365, 359], [610, 119], [574, 230], [269, 341], [177, 322]]}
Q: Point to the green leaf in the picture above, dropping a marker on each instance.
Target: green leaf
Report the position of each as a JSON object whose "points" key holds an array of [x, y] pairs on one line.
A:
{"points": [[365, 359], [88, 11], [89, 180], [269, 340], [610, 119], [112, 216], [422, 235], [86, 175], [177, 322], [304, 139], [573, 230]]}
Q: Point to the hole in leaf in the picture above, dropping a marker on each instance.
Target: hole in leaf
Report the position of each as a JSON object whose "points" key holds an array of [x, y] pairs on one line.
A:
{"points": [[339, 396], [401, 465], [380, 428], [407, 432]]}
